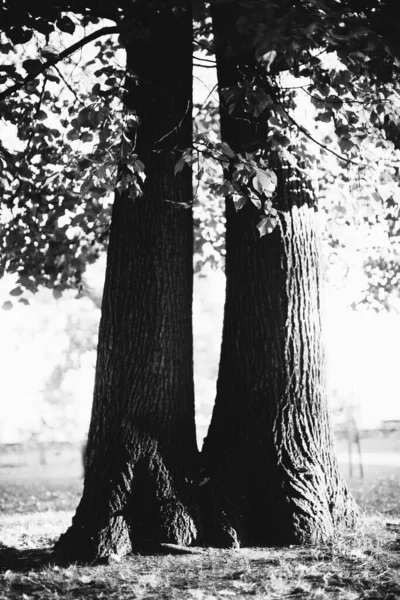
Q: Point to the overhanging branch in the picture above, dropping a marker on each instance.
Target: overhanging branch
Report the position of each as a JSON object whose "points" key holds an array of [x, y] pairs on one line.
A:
{"points": [[57, 58]]}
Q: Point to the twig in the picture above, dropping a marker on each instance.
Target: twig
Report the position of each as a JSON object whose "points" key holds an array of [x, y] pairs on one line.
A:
{"points": [[210, 60], [176, 126], [205, 101], [71, 89], [200, 66]]}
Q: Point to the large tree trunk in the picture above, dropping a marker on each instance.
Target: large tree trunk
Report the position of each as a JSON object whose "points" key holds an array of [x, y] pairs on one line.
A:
{"points": [[270, 473], [142, 448]]}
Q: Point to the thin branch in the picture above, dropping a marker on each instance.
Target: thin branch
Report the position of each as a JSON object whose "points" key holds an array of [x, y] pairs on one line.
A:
{"points": [[176, 126], [71, 89], [308, 134], [199, 65], [207, 47], [209, 60], [205, 101], [50, 63]]}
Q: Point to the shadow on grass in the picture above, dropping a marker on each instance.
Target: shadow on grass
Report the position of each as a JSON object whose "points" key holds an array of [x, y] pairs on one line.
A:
{"points": [[23, 560], [14, 559]]}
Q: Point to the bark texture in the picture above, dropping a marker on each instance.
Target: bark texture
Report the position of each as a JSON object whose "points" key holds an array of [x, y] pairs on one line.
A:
{"points": [[142, 445], [270, 472]]}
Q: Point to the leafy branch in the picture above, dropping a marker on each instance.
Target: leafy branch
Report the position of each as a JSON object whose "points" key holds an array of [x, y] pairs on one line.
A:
{"points": [[56, 58]]}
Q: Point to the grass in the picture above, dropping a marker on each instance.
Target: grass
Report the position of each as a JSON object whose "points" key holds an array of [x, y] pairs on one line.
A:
{"points": [[362, 564]]}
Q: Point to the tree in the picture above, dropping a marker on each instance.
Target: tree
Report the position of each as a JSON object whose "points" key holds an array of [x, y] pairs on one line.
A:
{"points": [[270, 415], [271, 476], [142, 451]]}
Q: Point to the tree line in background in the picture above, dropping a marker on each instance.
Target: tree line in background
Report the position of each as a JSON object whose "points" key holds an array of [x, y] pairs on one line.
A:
{"points": [[267, 473]]}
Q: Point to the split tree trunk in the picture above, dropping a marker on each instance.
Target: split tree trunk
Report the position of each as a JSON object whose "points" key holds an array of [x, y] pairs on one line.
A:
{"points": [[270, 472], [142, 448]]}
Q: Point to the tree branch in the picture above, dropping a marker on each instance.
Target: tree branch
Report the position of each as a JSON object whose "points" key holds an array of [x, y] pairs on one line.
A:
{"points": [[53, 61], [308, 134]]}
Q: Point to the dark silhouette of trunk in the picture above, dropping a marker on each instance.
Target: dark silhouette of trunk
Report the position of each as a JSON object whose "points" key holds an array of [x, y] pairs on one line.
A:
{"points": [[142, 450], [270, 473]]}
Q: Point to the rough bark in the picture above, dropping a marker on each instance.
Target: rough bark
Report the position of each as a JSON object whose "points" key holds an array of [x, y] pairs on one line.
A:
{"points": [[270, 472], [142, 448]]}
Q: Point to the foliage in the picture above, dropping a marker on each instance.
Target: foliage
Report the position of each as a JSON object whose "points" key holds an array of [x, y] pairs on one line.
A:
{"points": [[339, 64], [75, 140], [56, 178]]}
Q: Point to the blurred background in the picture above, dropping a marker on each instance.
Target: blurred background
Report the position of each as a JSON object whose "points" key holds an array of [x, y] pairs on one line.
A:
{"points": [[48, 357]]}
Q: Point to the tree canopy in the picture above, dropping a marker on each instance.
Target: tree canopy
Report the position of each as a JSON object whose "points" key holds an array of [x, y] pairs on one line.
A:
{"points": [[65, 146]]}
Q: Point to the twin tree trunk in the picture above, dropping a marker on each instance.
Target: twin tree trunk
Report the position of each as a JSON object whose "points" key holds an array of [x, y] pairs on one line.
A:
{"points": [[142, 451], [269, 464], [269, 472]]}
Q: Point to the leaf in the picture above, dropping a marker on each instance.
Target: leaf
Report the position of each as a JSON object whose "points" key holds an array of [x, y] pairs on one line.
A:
{"points": [[334, 102], [258, 101], [265, 181], [239, 201], [280, 141], [179, 166], [65, 24], [7, 305], [86, 185], [20, 36], [257, 185], [256, 201], [24, 301], [101, 172], [139, 166], [41, 115], [274, 122], [83, 116], [32, 65], [6, 48], [95, 118], [17, 291], [72, 135], [318, 102], [267, 59], [134, 192], [325, 117], [57, 293], [267, 225], [345, 145], [385, 178], [200, 174], [87, 137], [84, 164], [227, 150]]}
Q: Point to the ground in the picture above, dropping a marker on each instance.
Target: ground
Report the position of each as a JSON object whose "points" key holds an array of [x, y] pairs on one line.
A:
{"points": [[37, 505]]}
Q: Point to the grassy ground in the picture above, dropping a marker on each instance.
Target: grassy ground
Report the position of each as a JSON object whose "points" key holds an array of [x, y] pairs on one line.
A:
{"points": [[364, 564]]}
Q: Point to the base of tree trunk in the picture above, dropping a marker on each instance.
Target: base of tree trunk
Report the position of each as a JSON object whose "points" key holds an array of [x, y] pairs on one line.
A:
{"points": [[140, 508], [281, 512]]}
